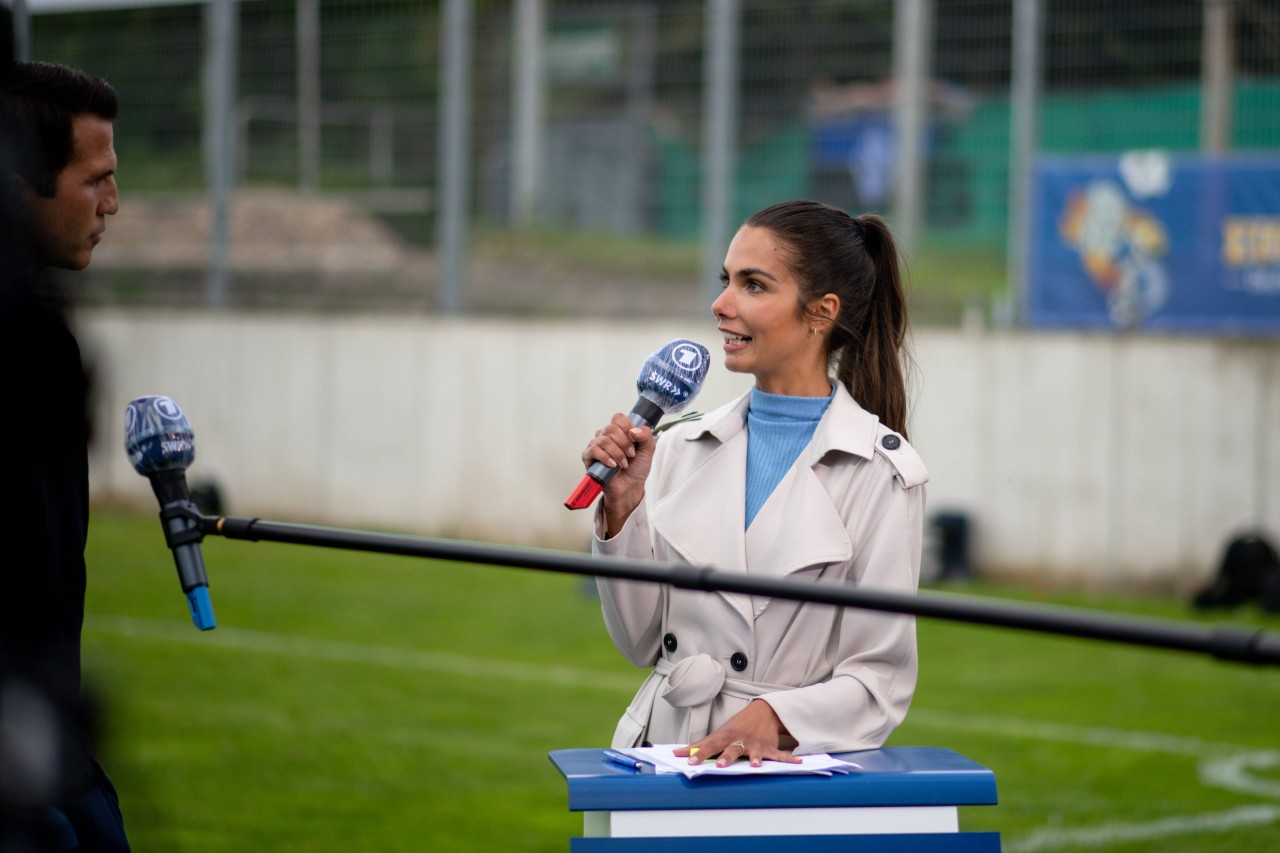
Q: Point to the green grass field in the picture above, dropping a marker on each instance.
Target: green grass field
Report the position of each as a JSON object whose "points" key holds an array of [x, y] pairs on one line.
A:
{"points": [[356, 702]]}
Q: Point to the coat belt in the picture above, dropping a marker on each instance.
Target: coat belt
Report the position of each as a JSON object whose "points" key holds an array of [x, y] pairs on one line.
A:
{"points": [[694, 683]]}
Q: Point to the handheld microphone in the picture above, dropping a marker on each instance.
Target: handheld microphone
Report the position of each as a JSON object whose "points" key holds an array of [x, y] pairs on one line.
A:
{"points": [[669, 380], [161, 446]]}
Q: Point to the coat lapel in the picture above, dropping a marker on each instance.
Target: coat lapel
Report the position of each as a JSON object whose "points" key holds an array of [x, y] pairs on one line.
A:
{"points": [[702, 518], [798, 526]]}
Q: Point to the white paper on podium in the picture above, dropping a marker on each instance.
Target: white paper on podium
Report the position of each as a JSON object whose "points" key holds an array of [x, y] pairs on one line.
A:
{"points": [[664, 760]]}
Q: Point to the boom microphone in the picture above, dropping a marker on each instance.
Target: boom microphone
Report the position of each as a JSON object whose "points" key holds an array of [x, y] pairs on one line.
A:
{"points": [[668, 381], [161, 446]]}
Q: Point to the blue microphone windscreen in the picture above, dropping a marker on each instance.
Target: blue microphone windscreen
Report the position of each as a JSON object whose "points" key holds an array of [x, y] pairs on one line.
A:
{"points": [[157, 436], [673, 375]]}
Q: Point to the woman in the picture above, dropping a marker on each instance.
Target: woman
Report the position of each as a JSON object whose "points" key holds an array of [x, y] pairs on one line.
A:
{"points": [[803, 476]]}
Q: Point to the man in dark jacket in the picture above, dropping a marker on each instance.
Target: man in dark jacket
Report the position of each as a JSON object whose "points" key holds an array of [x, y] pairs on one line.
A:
{"points": [[59, 186]]}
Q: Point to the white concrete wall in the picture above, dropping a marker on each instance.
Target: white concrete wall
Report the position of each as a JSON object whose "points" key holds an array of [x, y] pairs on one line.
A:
{"points": [[1082, 459]]}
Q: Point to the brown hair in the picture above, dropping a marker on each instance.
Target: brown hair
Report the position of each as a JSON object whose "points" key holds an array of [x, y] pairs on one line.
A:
{"points": [[856, 259]]}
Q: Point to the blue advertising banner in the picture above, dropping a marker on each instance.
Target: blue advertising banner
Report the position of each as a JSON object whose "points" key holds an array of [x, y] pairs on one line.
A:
{"points": [[1156, 242]]}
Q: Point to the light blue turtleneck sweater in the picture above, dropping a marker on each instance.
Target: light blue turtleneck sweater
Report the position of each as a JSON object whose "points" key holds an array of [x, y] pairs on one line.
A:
{"points": [[778, 428]]}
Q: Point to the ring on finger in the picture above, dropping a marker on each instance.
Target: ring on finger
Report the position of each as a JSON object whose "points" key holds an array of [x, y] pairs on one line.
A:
{"points": [[742, 747]]}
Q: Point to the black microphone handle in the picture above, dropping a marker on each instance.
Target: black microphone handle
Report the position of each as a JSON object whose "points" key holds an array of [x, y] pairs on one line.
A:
{"points": [[646, 413], [182, 535], [170, 485], [189, 560]]}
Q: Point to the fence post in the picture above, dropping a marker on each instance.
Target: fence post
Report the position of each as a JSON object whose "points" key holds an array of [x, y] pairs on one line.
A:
{"points": [[1024, 106], [719, 135], [221, 19], [454, 171], [307, 25], [1217, 77], [912, 36], [527, 87], [21, 30]]}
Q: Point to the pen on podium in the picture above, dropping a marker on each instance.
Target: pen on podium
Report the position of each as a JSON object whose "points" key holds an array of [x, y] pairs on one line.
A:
{"points": [[624, 759]]}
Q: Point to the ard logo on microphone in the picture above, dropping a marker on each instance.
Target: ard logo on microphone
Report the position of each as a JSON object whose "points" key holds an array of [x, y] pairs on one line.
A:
{"points": [[687, 357], [168, 409]]}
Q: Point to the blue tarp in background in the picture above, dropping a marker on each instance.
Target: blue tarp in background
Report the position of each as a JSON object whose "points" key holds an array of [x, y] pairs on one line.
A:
{"points": [[1156, 242]]}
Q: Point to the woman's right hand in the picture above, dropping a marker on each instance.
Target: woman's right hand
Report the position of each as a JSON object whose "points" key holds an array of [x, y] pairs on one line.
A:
{"points": [[622, 445]]}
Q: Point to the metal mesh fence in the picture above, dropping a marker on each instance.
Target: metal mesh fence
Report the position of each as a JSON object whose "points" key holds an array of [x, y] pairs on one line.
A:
{"points": [[339, 106]]}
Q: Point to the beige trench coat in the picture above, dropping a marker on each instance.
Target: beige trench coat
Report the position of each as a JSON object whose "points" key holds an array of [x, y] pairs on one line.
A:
{"points": [[850, 510]]}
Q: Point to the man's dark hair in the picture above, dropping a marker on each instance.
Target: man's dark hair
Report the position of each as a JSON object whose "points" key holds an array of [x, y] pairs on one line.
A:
{"points": [[38, 102]]}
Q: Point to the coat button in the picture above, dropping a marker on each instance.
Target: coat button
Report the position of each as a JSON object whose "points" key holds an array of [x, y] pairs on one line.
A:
{"points": [[891, 442], [669, 642], [738, 661]]}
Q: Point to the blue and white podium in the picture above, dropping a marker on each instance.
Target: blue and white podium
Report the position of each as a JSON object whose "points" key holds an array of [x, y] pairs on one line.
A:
{"points": [[907, 798]]}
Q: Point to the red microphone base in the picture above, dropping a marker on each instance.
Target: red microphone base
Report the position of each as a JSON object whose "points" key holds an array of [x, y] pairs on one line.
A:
{"points": [[586, 492]]}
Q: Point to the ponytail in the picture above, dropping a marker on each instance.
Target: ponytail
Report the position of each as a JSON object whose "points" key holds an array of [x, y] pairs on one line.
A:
{"points": [[870, 363]]}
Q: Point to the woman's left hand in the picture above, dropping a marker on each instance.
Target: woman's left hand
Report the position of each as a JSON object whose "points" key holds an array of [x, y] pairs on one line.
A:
{"points": [[754, 733]]}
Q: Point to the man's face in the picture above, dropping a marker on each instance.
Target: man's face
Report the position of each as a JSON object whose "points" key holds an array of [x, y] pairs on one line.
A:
{"points": [[66, 226]]}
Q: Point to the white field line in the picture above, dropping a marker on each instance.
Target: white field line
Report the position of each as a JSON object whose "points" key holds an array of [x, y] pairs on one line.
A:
{"points": [[1232, 772], [1084, 735], [1120, 833], [1221, 765], [341, 651]]}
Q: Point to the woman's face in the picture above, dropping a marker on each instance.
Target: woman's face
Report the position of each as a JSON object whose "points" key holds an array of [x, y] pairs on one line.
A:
{"points": [[757, 312]]}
